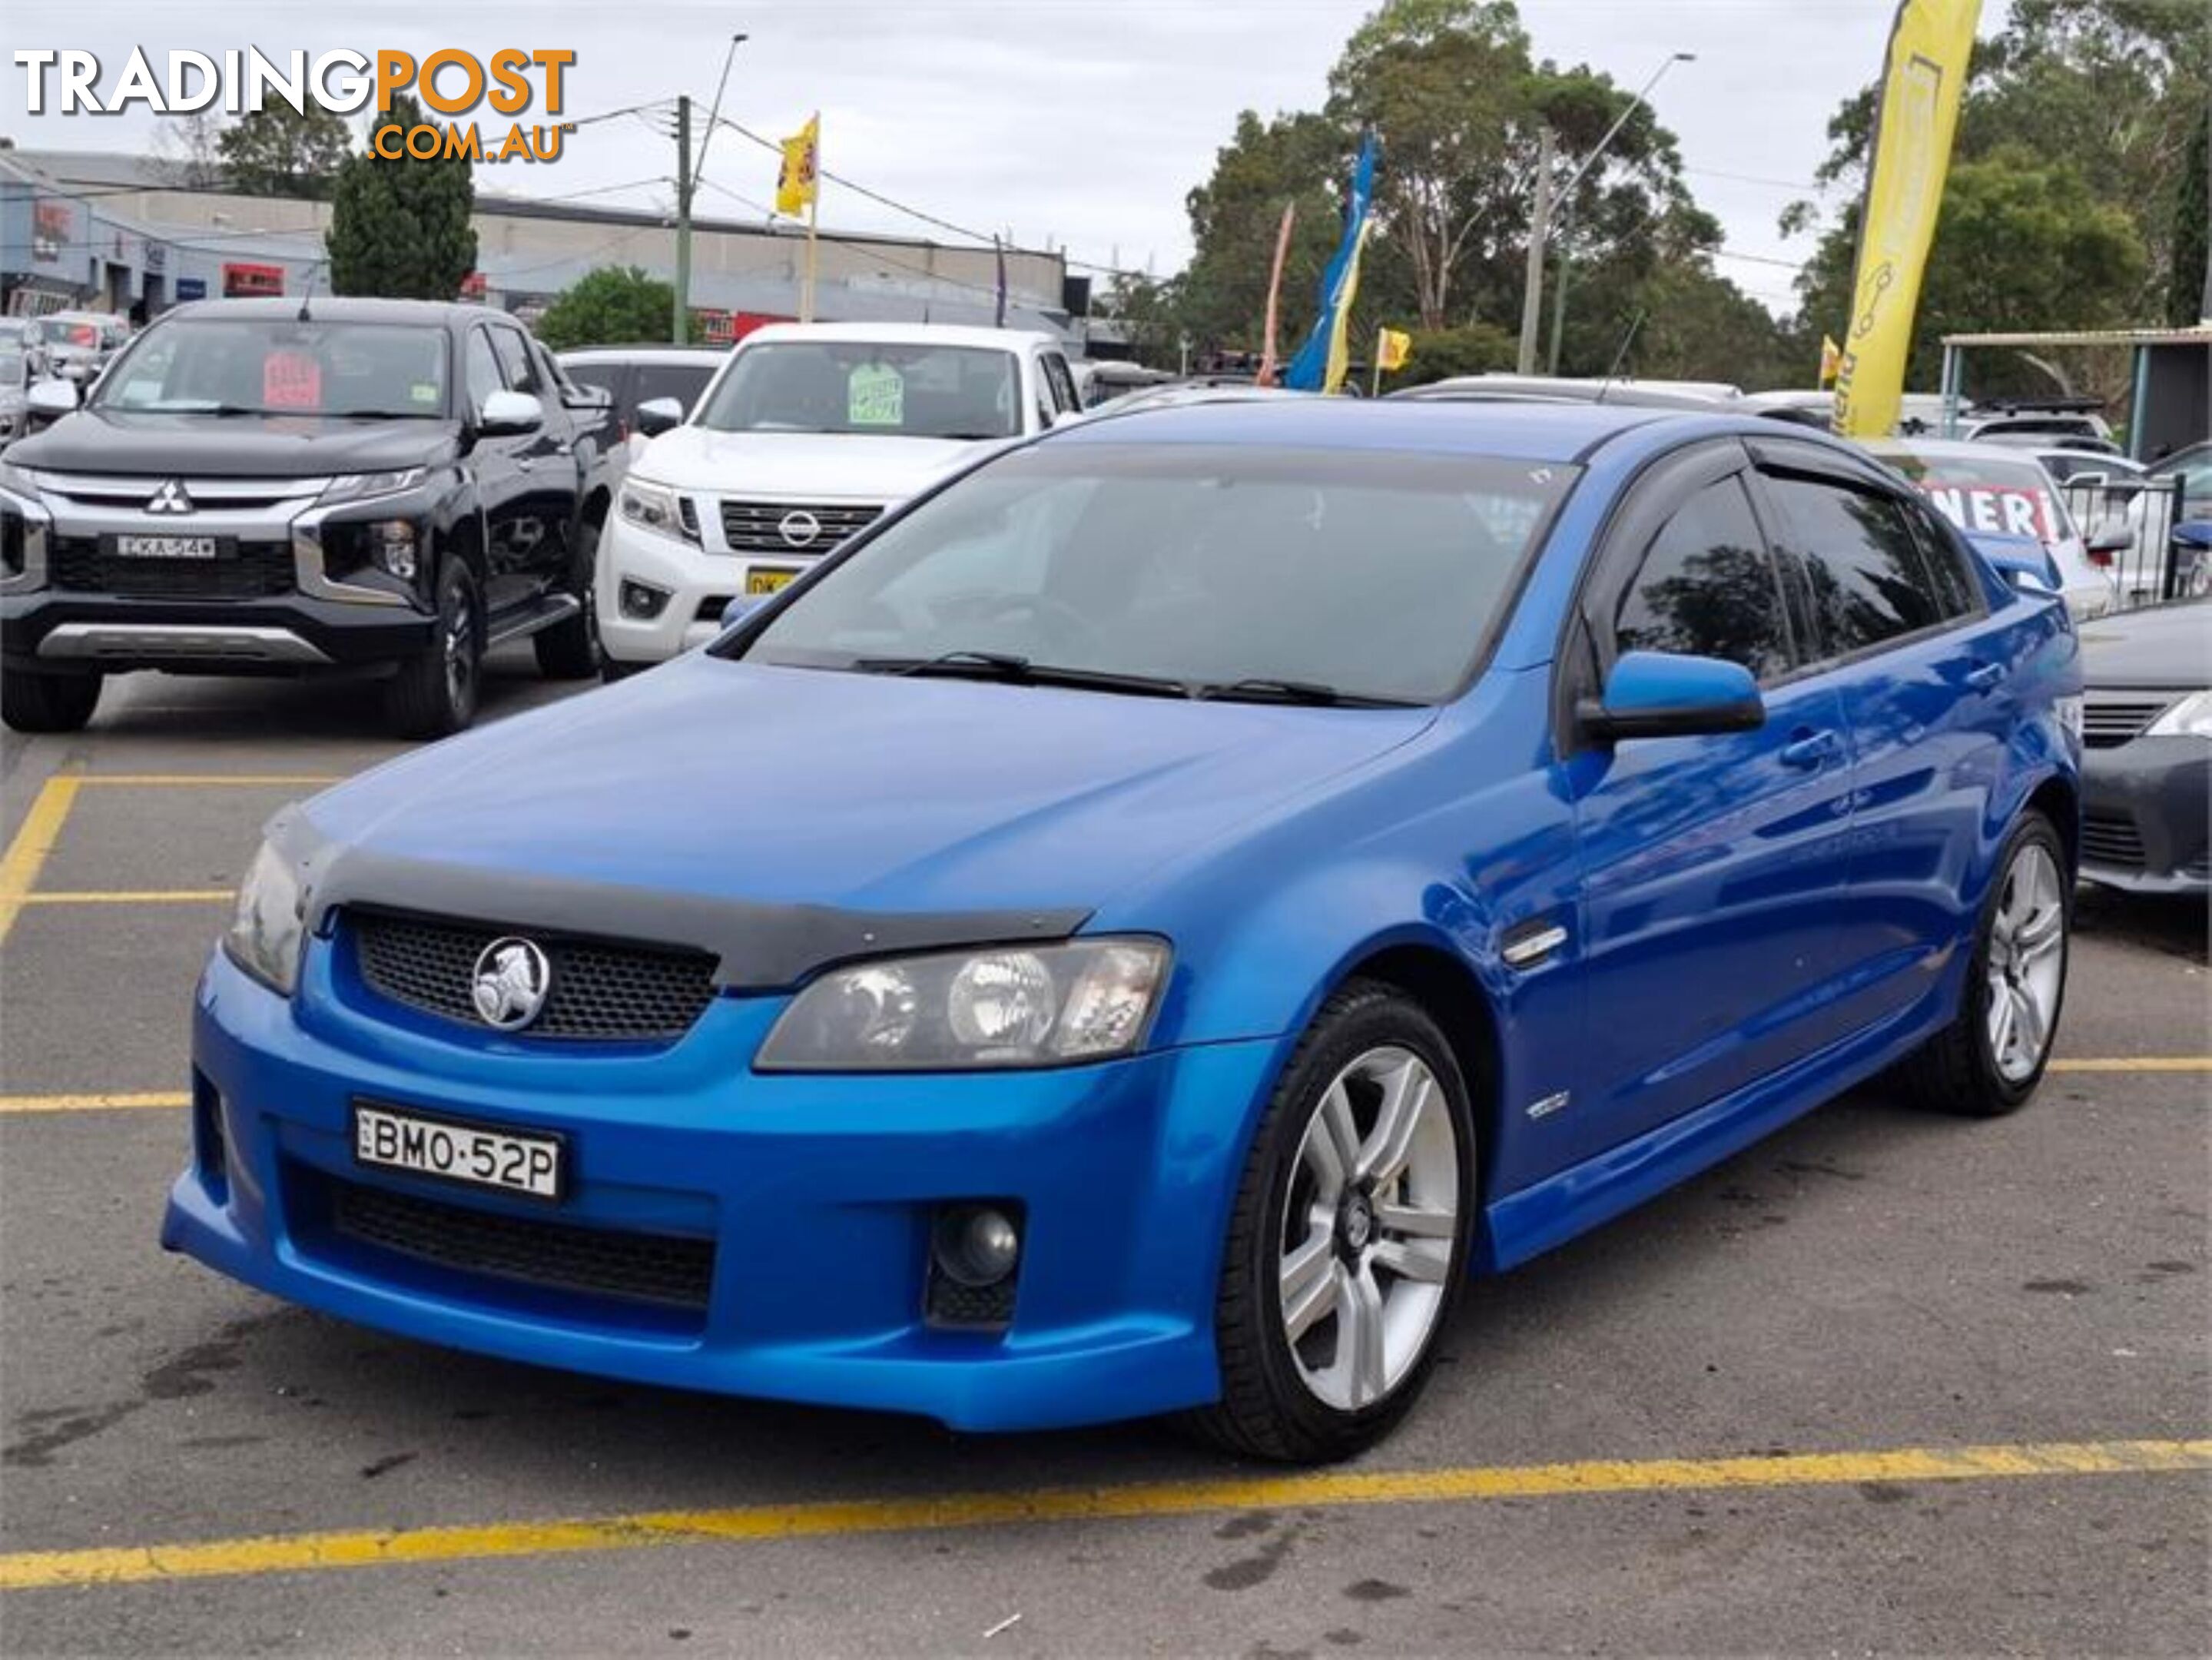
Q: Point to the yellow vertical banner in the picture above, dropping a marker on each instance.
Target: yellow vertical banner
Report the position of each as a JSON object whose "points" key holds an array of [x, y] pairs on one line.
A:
{"points": [[1930, 46]]}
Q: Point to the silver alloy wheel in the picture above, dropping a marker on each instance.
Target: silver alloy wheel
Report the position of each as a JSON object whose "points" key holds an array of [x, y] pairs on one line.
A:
{"points": [[2026, 962], [1369, 1227], [460, 665]]}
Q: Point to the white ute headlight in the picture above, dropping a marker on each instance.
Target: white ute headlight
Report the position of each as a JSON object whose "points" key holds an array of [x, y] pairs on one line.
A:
{"points": [[270, 925], [655, 508], [1012, 1005], [2190, 718]]}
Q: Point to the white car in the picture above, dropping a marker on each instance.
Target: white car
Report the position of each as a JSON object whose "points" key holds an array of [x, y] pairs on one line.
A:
{"points": [[807, 434], [2001, 488]]}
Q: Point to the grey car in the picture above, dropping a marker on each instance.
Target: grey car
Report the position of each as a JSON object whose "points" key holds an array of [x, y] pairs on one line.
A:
{"points": [[2147, 770]]}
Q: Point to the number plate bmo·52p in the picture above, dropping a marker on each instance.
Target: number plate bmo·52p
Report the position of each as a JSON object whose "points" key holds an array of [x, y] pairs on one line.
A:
{"points": [[450, 1150]]}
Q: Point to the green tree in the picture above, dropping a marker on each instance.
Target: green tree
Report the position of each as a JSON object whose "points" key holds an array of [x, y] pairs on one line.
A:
{"points": [[277, 151], [402, 228], [1439, 354], [2189, 292], [2020, 244], [613, 305], [1221, 298]]}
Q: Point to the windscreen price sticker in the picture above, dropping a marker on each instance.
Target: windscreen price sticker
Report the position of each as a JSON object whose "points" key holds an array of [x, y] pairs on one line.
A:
{"points": [[875, 396], [1997, 509]]}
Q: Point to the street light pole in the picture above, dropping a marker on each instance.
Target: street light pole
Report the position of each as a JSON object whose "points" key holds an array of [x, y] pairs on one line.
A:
{"points": [[1544, 223], [688, 170]]}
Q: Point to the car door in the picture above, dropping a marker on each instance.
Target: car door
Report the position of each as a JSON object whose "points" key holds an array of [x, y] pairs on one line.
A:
{"points": [[494, 462], [1712, 866], [1924, 673], [539, 539]]}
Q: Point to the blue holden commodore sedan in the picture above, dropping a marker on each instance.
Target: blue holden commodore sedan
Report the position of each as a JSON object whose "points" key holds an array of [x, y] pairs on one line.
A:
{"points": [[1137, 929]]}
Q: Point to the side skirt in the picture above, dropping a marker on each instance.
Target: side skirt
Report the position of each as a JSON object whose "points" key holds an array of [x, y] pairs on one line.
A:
{"points": [[1538, 1218]]}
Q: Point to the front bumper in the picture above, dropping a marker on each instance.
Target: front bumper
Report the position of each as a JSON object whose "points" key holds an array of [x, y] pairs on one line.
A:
{"points": [[816, 1193], [2144, 815], [697, 581], [65, 632]]}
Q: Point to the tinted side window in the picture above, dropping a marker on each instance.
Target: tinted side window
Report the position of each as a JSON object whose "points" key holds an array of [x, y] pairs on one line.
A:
{"points": [[483, 370], [1063, 383], [1706, 587], [682, 381], [606, 377], [1860, 563], [521, 374], [1945, 561]]}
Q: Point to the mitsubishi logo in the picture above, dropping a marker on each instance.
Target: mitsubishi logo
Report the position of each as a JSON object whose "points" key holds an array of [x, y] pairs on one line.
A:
{"points": [[170, 498]]}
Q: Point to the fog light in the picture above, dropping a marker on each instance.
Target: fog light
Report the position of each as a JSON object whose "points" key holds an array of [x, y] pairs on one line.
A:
{"points": [[642, 600], [977, 1245], [392, 543]]}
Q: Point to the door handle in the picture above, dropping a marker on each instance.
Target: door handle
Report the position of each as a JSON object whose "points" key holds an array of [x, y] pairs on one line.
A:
{"points": [[1987, 676], [1811, 749]]}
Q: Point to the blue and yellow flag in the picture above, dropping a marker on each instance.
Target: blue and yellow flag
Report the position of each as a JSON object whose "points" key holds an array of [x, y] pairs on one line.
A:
{"points": [[1321, 363]]}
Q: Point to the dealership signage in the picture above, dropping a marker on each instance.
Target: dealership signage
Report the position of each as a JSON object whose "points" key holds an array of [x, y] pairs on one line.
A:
{"points": [[451, 83]]}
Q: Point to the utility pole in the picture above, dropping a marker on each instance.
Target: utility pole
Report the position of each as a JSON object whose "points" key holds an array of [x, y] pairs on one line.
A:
{"points": [[1532, 285], [680, 324]]}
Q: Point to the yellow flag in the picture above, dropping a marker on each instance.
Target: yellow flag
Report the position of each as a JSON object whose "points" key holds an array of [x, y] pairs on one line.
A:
{"points": [[1392, 347], [801, 176], [1832, 359], [1925, 70], [1340, 346]]}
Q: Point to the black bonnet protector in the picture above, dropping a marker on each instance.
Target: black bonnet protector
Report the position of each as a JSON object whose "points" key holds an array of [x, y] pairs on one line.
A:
{"points": [[756, 948]]}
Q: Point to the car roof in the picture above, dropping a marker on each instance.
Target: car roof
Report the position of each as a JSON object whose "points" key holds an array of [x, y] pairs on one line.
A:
{"points": [[703, 353], [901, 334], [1522, 431], [334, 308], [1950, 449]]}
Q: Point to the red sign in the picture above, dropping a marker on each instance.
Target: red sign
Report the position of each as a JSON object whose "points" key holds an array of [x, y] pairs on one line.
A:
{"points": [[244, 281], [472, 286], [291, 380]]}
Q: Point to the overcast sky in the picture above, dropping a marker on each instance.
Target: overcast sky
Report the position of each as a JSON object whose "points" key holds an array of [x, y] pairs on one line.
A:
{"points": [[1084, 121]]}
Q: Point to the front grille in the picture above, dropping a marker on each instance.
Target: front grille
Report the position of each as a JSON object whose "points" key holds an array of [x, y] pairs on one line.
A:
{"points": [[599, 990], [639, 1268], [2108, 721], [756, 526], [253, 570], [2111, 838]]}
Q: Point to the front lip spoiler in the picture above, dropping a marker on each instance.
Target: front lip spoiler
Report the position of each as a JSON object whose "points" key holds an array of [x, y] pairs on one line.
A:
{"points": [[141, 641]]}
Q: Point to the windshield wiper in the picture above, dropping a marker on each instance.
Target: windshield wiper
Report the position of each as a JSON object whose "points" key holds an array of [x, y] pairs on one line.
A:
{"points": [[1021, 672], [380, 415], [1259, 688]]}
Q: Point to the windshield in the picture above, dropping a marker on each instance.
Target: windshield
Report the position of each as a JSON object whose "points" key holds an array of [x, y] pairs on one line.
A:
{"points": [[1370, 575], [276, 366], [1988, 493], [870, 387]]}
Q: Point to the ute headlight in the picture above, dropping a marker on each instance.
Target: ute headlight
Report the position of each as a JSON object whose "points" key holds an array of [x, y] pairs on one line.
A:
{"points": [[655, 508], [19, 482], [2190, 718], [359, 486], [1043, 1005], [268, 928]]}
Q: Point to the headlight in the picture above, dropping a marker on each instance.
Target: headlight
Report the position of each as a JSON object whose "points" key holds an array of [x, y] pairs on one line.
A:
{"points": [[654, 507], [18, 482], [356, 486], [1007, 1006], [2190, 718], [269, 927]]}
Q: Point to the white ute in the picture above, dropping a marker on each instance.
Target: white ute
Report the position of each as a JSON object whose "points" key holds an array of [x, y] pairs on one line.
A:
{"points": [[808, 433]]}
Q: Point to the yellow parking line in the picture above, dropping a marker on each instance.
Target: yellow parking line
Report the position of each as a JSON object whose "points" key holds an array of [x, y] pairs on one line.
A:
{"points": [[218, 779], [27, 849], [132, 897], [371, 1548], [2137, 1063], [18, 1103]]}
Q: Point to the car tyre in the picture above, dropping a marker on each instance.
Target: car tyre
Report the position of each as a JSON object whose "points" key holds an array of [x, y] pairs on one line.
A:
{"points": [[613, 669], [1311, 1371], [435, 693], [1989, 1061], [569, 650], [34, 703]]}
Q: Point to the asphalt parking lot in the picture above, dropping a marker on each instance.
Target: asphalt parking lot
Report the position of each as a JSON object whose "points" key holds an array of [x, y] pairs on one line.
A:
{"points": [[1883, 1382]]}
